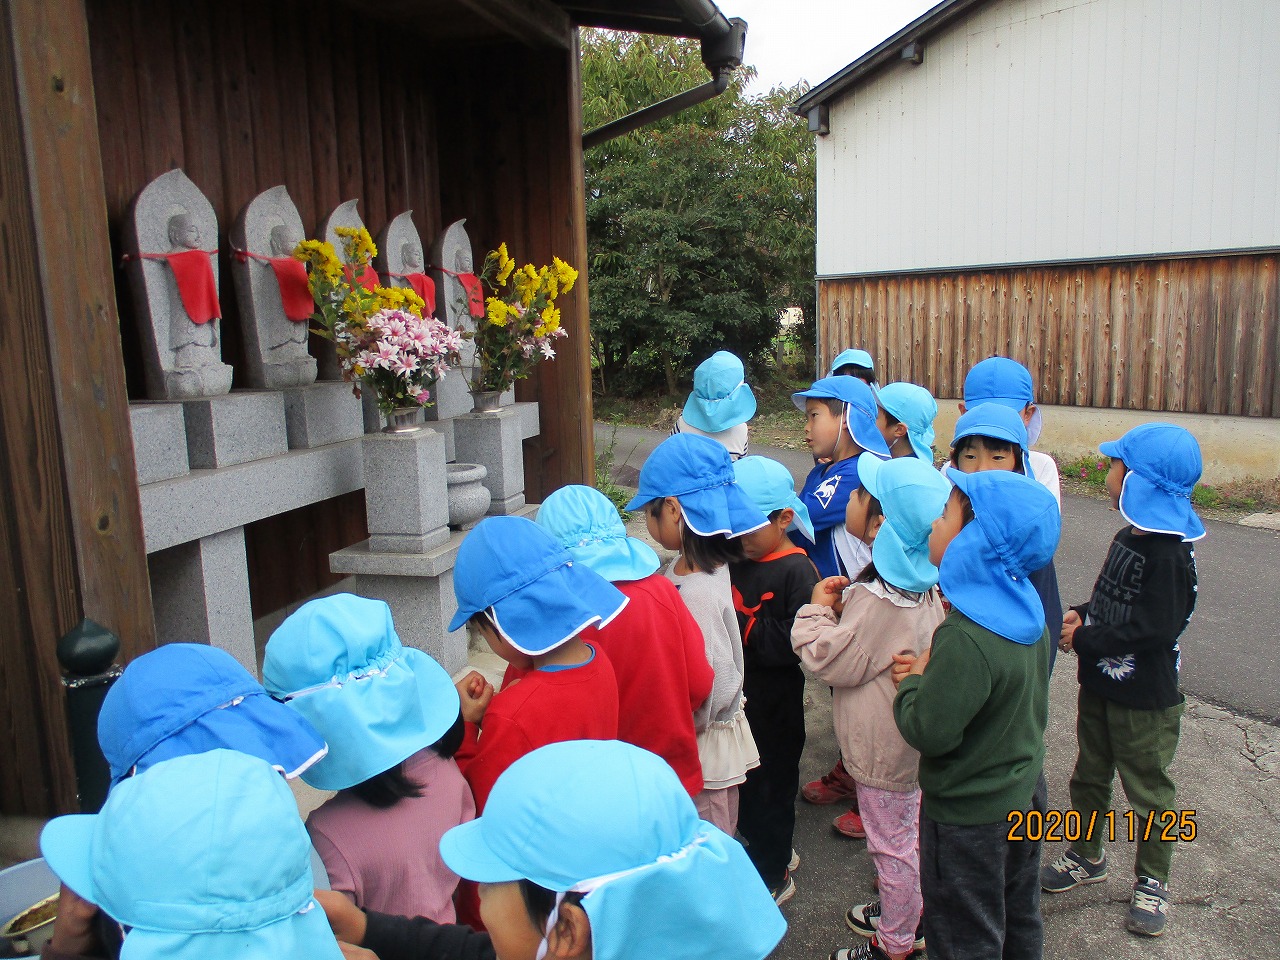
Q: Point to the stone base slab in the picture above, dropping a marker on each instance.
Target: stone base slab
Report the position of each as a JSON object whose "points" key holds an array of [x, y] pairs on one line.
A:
{"points": [[495, 440], [235, 428], [405, 494], [159, 441], [322, 413]]}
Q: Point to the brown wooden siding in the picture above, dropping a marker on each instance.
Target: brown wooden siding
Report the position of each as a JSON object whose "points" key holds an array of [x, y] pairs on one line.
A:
{"points": [[1195, 335]]}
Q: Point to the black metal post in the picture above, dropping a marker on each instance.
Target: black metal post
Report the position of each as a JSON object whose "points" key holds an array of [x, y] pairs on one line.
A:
{"points": [[87, 653]]}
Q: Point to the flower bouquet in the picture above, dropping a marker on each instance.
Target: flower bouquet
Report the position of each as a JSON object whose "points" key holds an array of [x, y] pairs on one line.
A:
{"points": [[521, 320], [383, 335]]}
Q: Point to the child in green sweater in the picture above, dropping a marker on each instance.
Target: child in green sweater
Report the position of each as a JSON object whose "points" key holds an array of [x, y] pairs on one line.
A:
{"points": [[976, 705]]}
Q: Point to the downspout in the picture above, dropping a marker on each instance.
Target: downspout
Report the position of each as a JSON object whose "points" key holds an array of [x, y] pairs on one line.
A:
{"points": [[723, 43]]}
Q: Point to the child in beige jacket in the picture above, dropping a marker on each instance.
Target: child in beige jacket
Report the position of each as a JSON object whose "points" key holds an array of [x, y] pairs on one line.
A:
{"points": [[848, 636]]}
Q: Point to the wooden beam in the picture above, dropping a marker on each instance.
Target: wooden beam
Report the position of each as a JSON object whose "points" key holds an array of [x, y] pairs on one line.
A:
{"points": [[535, 23], [72, 544]]}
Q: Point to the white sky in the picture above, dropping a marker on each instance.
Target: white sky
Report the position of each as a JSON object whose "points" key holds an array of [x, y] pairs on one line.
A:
{"points": [[790, 40]]}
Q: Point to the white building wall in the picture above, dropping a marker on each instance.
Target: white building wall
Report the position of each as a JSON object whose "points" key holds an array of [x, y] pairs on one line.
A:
{"points": [[1049, 130]]}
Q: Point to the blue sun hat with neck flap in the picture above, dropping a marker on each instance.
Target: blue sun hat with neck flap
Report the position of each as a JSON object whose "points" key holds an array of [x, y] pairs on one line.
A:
{"points": [[859, 408], [587, 524], [911, 494], [985, 572], [536, 594], [339, 663], [204, 857], [998, 422], [1164, 465], [721, 397], [611, 821], [852, 358], [698, 472], [770, 486], [1006, 382], [184, 698], [914, 406]]}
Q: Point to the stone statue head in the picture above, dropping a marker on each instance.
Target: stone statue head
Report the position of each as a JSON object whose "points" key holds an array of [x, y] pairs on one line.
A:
{"points": [[284, 239], [411, 256], [184, 232]]}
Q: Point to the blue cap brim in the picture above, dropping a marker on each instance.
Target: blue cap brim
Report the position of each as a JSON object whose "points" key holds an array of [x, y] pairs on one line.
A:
{"points": [[619, 558], [1149, 508], [466, 852], [304, 934], [803, 521], [565, 602], [713, 416], [865, 433], [724, 509], [257, 725], [66, 843]]}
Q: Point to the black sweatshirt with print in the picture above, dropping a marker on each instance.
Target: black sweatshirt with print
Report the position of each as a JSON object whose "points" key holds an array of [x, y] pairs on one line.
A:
{"points": [[1141, 603]]}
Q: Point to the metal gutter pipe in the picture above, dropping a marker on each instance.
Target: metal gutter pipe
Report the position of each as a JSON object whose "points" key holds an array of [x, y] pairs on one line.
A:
{"points": [[658, 111]]}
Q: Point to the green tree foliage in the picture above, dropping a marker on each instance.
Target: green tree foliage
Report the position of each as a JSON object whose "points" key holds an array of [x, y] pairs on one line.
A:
{"points": [[700, 227]]}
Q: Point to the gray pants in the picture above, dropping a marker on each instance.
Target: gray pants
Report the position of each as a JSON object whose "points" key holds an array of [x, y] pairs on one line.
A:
{"points": [[981, 891]]}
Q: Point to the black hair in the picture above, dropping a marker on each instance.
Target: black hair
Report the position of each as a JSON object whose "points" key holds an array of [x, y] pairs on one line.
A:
{"points": [[705, 554], [480, 619], [388, 788], [990, 444], [777, 513], [449, 744], [539, 901], [866, 374], [874, 509], [834, 404], [890, 419], [966, 504]]}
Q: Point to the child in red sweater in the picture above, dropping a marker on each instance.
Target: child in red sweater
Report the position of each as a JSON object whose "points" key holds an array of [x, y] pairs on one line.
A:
{"points": [[654, 645], [532, 604]]}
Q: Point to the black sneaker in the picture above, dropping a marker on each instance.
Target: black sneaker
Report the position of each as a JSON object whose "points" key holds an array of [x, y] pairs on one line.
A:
{"points": [[1071, 870], [864, 919], [1149, 908], [870, 950]]}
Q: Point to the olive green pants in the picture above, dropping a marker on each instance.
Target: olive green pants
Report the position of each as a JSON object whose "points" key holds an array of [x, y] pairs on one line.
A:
{"points": [[1140, 746]]}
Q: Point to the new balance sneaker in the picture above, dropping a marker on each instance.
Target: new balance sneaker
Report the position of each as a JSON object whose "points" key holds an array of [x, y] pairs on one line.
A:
{"points": [[1071, 870], [785, 890], [832, 788], [1149, 908], [850, 824], [868, 950], [794, 864], [864, 919]]}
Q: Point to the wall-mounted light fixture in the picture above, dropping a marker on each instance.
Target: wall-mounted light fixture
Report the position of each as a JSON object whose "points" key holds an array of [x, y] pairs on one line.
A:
{"points": [[820, 119], [913, 51]]}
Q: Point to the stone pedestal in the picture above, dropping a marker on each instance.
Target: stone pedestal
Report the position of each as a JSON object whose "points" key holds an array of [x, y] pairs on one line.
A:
{"points": [[405, 493], [234, 428], [494, 440], [322, 413], [200, 594], [159, 441], [419, 589]]}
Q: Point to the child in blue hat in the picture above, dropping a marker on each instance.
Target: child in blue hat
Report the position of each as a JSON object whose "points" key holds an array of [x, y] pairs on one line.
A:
{"points": [[854, 363], [533, 605], [199, 857], [720, 405], [905, 420], [975, 705], [391, 716], [694, 505], [593, 851], [1126, 638], [847, 636], [769, 586], [993, 436], [654, 644]]}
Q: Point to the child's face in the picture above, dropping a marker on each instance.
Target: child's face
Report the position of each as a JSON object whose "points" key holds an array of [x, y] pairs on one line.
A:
{"points": [[665, 527], [1115, 481], [976, 456], [857, 517], [762, 542], [946, 528], [499, 645], [822, 428], [895, 434], [505, 917]]}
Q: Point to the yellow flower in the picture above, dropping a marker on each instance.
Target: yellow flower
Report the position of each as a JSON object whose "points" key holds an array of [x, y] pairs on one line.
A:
{"points": [[547, 282], [550, 320], [358, 244], [565, 274], [497, 312], [505, 263], [526, 283]]}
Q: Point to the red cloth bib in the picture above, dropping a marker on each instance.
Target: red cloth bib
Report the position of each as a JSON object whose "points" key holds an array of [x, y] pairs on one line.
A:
{"points": [[368, 277], [424, 287], [475, 293], [291, 275], [193, 272]]}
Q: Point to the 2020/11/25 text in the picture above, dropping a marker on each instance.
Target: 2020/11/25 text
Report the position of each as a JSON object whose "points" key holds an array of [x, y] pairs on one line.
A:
{"points": [[1070, 825]]}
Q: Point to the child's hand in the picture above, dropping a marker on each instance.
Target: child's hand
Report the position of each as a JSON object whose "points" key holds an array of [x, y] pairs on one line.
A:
{"points": [[348, 921], [829, 591], [1066, 639], [475, 692], [902, 664], [73, 931], [356, 953]]}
